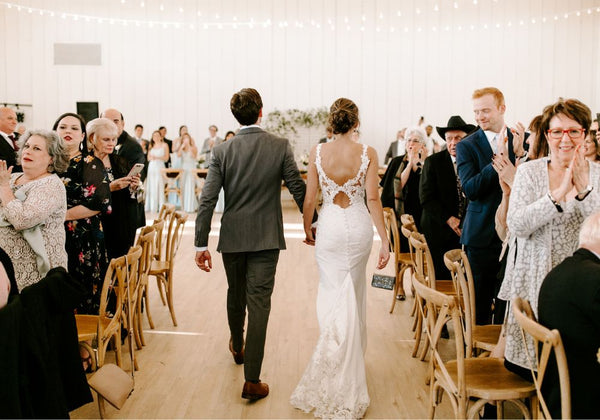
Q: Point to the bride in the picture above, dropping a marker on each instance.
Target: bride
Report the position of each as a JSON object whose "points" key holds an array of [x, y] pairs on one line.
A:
{"points": [[334, 384]]}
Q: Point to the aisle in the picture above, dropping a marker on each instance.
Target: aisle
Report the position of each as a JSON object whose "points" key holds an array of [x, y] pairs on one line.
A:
{"points": [[188, 372]]}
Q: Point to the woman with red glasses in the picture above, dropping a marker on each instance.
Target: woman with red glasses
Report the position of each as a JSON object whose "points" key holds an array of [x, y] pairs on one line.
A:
{"points": [[550, 198]]}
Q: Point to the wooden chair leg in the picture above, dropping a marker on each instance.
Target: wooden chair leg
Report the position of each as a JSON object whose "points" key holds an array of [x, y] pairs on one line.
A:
{"points": [[159, 284], [169, 290], [147, 306], [139, 321], [101, 407], [418, 331]]}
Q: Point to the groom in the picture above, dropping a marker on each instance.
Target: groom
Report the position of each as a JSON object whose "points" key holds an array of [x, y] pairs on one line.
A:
{"points": [[250, 169]]}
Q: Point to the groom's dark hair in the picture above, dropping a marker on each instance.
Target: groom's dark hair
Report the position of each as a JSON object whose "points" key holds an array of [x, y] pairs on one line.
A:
{"points": [[246, 105]]}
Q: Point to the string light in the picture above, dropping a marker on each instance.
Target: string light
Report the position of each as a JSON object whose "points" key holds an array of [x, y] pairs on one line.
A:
{"points": [[234, 22]]}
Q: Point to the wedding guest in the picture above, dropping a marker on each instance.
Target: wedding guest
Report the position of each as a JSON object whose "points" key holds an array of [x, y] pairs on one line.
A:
{"points": [[481, 186], [229, 136], [408, 175], [183, 130], [591, 149], [187, 153], [441, 196], [8, 137], [155, 186], [163, 134], [88, 197], [210, 142], [569, 301], [33, 206], [550, 198], [139, 131], [121, 223], [128, 148], [397, 147]]}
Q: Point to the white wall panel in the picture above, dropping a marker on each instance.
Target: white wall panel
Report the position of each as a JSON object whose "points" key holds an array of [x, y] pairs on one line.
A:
{"points": [[401, 65]]}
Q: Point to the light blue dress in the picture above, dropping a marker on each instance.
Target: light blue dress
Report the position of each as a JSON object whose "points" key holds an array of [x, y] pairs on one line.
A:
{"points": [[155, 186], [188, 189]]}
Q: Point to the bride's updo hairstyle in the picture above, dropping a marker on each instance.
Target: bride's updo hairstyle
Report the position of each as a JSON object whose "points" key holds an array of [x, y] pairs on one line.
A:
{"points": [[343, 116]]}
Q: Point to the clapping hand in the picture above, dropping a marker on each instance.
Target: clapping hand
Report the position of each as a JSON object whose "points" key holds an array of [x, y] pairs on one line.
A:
{"points": [[5, 173], [518, 139], [579, 169], [506, 170]]}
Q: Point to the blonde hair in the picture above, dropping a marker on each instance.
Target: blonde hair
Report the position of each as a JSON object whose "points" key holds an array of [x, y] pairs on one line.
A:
{"points": [[495, 92], [100, 124]]}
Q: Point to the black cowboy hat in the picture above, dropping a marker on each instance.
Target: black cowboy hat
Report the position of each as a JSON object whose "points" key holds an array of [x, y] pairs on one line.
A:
{"points": [[456, 123]]}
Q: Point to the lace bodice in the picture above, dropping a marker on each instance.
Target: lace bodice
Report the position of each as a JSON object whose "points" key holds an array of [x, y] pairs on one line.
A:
{"points": [[354, 188]]}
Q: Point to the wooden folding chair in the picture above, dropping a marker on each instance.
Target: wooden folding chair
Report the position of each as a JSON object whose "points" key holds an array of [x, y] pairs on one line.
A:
{"points": [[402, 260]]}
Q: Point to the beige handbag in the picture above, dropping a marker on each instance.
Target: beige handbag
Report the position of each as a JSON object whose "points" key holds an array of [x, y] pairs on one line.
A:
{"points": [[110, 381]]}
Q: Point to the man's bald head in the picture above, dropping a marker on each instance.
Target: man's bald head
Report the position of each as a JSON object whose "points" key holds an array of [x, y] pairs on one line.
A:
{"points": [[8, 120], [115, 116]]}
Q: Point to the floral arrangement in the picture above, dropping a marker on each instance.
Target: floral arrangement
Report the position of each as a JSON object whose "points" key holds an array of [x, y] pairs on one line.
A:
{"points": [[201, 160], [286, 122]]}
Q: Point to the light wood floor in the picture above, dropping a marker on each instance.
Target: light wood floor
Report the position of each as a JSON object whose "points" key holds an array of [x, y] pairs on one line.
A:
{"points": [[188, 372]]}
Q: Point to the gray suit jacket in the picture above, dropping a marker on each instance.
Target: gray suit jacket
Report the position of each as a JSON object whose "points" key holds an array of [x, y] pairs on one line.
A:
{"points": [[250, 168]]}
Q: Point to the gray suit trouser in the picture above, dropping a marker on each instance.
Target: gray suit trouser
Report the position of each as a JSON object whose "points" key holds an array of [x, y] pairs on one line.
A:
{"points": [[251, 277]]}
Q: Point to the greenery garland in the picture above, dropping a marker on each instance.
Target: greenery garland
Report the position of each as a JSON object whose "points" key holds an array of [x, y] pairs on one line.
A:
{"points": [[284, 123]]}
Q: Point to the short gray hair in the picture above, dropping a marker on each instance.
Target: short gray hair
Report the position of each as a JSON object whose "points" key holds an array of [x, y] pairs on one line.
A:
{"points": [[100, 124], [55, 146], [589, 234], [418, 132]]}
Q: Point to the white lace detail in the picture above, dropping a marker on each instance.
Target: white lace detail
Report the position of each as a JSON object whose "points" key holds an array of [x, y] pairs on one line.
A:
{"points": [[354, 188], [320, 388]]}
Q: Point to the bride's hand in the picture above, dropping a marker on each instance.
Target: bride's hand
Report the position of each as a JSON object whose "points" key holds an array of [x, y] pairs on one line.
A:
{"points": [[310, 236], [384, 256]]}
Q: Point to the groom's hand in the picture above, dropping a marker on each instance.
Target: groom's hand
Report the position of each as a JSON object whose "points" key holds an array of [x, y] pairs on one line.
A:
{"points": [[204, 260]]}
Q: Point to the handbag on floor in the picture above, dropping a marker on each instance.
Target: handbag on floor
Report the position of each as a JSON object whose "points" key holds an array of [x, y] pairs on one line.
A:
{"points": [[110, 381]]}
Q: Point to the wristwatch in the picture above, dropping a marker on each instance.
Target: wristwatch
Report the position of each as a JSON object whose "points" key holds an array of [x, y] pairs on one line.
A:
{"points": [[556, 203], [581, 196]]}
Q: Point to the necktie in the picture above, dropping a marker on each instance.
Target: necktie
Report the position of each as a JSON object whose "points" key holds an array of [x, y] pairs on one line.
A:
{"points": [[494, 144], [462, 200], [14, 142]]}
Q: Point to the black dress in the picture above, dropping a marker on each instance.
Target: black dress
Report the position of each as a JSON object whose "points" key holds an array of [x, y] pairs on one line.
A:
{"points": [[87, 185], [121, 224]]}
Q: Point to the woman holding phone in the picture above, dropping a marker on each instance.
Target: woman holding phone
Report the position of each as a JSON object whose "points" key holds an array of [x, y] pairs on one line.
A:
{"points": [[102, 139]]}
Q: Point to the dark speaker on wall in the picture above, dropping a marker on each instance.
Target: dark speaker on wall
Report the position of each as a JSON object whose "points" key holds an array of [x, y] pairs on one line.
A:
{"points": [[88, 110]]}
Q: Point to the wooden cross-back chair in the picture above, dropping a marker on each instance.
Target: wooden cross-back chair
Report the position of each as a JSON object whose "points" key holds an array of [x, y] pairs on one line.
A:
{"points": [[477, 337], [172, 178], [162, 269], [469, 383], [550, 342], [425, 270], [146, 241], [402, 260]]}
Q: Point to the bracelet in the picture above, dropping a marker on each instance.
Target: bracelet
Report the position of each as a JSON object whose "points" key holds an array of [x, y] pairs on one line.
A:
{"points": [[556, 203], [585, 193]]}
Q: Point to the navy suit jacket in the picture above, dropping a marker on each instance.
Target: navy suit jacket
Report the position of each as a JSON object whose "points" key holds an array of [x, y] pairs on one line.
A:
{"points": [[481, 186]]}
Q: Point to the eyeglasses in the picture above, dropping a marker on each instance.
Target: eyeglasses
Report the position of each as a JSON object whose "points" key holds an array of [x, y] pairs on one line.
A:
{"points": [[558, 133]]}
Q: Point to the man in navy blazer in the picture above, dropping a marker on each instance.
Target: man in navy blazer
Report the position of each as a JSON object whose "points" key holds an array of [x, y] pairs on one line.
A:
{"points": [[480, 184]]}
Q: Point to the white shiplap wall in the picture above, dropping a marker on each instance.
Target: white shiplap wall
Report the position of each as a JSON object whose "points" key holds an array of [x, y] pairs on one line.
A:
{"points": [[159, 76]]}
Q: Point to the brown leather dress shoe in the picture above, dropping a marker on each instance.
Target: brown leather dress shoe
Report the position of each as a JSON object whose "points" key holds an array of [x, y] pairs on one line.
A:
{"points": [[238, 357], [254, 391]]}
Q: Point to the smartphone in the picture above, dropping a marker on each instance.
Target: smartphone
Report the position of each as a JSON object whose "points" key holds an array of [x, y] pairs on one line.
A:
{"points": [[136, 170]]}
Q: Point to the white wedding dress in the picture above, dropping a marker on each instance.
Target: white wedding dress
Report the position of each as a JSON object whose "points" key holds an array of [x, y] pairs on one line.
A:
{"points": [[334, 384]]}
